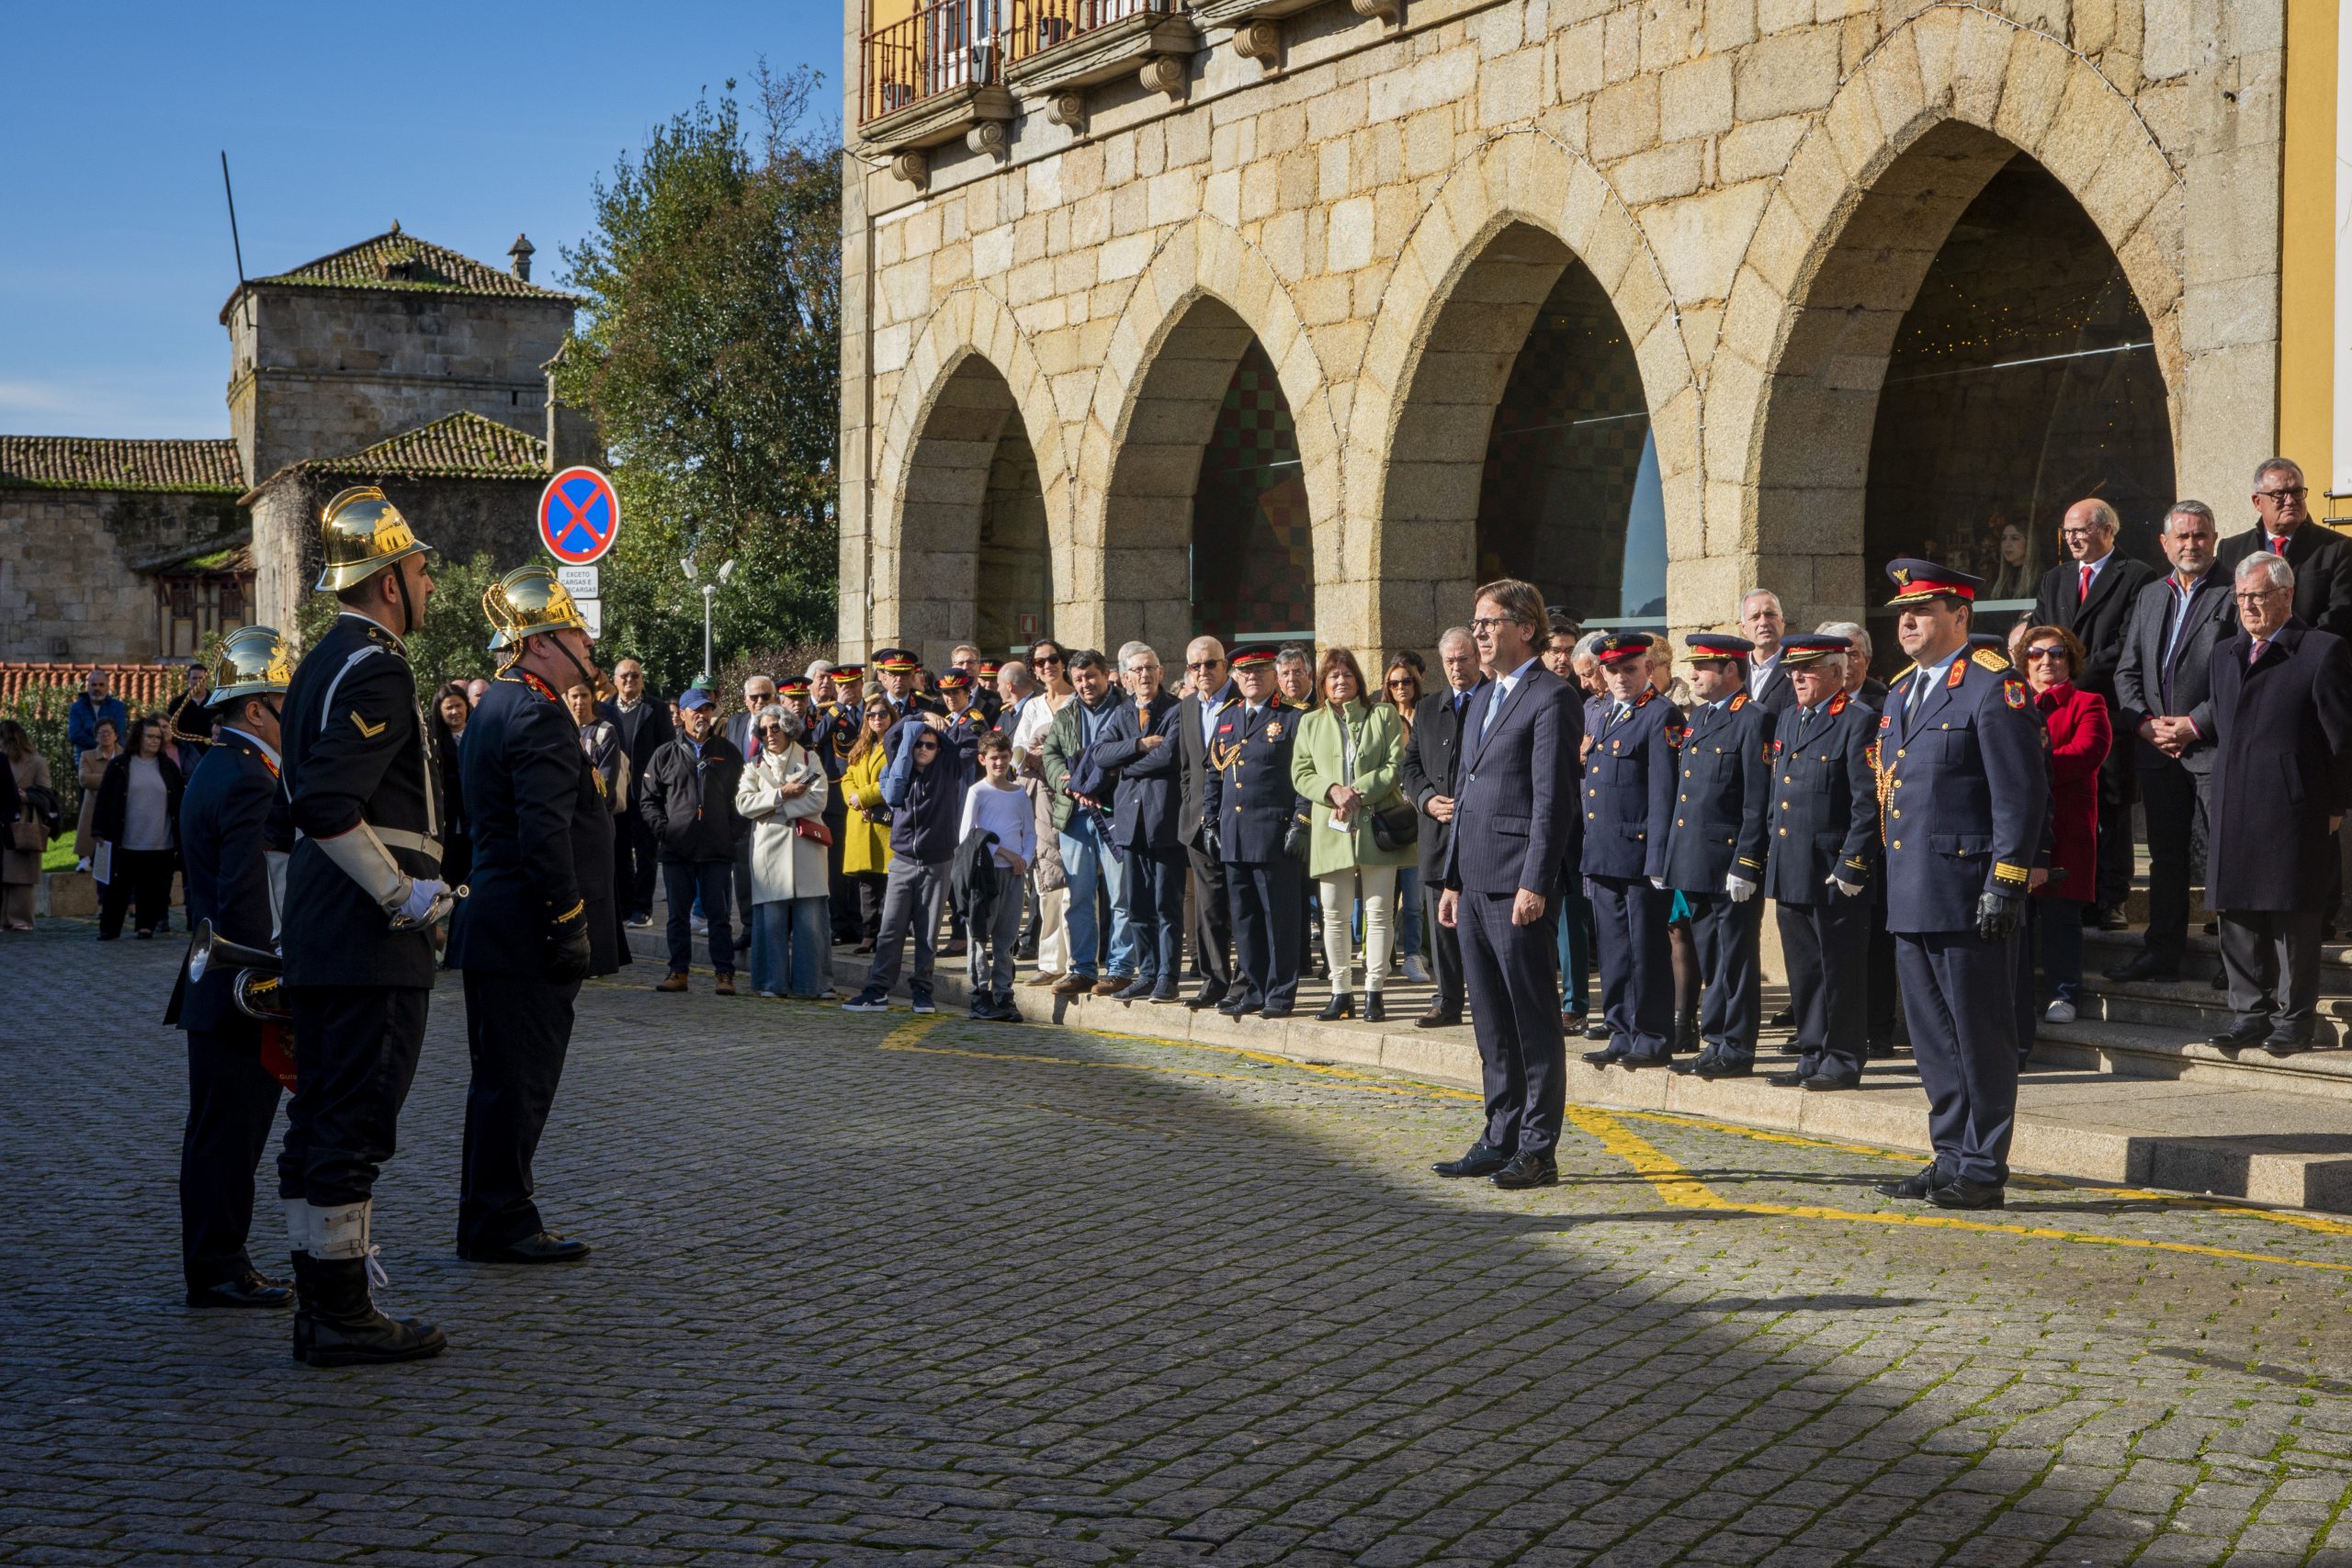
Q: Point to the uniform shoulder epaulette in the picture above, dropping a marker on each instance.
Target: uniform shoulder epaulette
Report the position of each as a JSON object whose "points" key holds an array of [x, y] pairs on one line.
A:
{"points": [[1984, 658], [1901, 674]]}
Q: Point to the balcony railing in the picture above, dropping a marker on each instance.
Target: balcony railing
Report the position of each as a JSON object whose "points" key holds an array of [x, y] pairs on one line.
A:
{"points": [[944, 46], [1041, 25]]}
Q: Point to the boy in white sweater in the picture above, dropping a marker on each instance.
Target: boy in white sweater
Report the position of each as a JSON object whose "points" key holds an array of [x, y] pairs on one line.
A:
{"points": [[998, 804]]}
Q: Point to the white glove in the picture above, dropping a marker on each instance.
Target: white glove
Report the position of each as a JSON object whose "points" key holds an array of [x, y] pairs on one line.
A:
{"points": [[1659, 883], [419, 902], [1739, 888], [1851, 889]]}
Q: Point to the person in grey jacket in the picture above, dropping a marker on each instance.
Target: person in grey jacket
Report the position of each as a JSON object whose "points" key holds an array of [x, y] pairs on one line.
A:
{"points": [[1081, 827]]}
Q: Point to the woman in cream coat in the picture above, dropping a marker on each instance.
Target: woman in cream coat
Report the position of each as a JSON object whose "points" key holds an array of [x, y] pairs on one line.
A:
{"points": [[1345, 765], [780, 789]]}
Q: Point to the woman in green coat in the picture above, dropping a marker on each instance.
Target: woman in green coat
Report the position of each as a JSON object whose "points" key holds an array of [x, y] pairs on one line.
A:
{"points": [[1344, 764]]}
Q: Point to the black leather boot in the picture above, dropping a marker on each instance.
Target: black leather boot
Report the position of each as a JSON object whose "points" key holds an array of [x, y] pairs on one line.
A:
{"points": [[339, 1327]]}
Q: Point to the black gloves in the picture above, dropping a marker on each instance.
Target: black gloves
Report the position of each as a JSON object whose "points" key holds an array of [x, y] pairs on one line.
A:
{"points": [[568, 956], [1294, 839], [1211, 845], [1997, 914]]}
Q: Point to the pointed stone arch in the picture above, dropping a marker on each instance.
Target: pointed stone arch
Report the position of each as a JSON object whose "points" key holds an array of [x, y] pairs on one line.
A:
{"points": [[1203, 296], [971, 376], [1455, 312], [1912, 135]]}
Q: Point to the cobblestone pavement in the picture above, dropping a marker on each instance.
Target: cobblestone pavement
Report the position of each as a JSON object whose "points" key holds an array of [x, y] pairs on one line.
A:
{"points": [[889, 1290]]}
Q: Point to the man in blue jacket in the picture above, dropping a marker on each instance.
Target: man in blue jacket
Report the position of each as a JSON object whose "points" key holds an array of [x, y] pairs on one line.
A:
{"points": [[1714, 851], [1139, 749], [1629, 789], [1249, 807], [928, 763]]}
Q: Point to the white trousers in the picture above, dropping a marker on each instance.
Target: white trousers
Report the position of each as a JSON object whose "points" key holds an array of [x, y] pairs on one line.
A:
{"points": [[1377, 885]]}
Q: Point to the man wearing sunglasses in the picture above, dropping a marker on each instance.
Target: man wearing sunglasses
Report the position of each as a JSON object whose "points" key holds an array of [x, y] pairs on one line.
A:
{"points": [[2282, 526]]}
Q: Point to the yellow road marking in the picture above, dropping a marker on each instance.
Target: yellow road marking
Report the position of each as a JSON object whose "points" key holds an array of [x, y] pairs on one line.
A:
{"points": [[1683, 1190]]}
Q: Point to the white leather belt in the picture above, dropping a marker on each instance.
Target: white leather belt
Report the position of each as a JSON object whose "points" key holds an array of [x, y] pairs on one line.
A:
{"points": [[400, 838]]}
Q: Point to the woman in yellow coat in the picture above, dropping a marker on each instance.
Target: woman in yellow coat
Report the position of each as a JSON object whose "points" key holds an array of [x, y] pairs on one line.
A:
{"points": [[1345, 765], [865, 843]]}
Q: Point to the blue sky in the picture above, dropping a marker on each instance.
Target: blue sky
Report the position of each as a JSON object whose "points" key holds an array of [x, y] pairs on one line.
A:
{"points": [[467, 123]]}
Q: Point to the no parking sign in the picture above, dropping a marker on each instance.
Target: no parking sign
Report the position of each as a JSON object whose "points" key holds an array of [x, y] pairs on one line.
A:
{"points": [[579, 516]]}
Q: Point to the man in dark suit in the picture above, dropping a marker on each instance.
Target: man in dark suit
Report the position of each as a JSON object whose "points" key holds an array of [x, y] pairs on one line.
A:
{"points": [[643, 720], [232, 829], [1139, 750], [1825, 849], [2091, 594], [1714, 851], [2161, 697], [1514, 820], [538, 918], [1196, 718], [1249, 809], [1883, 1001], [2281, 700], [1764, 622], [1426, 776], [2322, 556]]}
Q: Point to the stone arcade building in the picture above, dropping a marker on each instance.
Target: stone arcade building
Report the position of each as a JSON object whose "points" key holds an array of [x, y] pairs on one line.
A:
{"points": [[393, 362], [1302, 316]]}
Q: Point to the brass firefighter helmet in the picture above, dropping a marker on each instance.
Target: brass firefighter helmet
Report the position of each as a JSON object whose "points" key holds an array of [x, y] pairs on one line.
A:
{"points": [[362, 533], [251, 662], [526, 602]]}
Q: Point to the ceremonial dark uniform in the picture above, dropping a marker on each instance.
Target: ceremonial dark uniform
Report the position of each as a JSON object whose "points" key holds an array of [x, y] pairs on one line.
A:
{"points": [[1248, 796], [1824, 824], [1721, 812], [354, 751], [1629, 789], [232, 816], [1964, 790], [543, 853]]}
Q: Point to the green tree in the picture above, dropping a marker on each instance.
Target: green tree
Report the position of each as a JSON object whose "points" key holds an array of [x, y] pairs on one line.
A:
{"points": [[710, 357]]}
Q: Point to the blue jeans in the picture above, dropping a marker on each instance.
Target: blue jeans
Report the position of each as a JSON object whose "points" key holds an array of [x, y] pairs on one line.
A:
{"points": [[789, 951], [1406, 917], [708, 883], [1084, 861]]}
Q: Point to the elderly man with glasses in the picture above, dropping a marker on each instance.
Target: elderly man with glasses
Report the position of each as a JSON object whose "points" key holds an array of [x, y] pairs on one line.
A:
{"points": [[2281, 703], [2283, 528], [1210, 691]]}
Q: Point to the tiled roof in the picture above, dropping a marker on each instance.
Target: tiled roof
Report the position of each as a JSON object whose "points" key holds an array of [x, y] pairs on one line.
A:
{"points": [[455, 446], [394, 260], [143, 688], [84, 462]]}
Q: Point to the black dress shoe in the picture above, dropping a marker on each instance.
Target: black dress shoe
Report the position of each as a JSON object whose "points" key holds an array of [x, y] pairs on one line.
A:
{"points": [[1208, 997], [544, 1248], [1961, 1193], [1527, 1170], [1598, 1032], [1275, 1009], [1792, 1079], [1339, 1007], [1483, 1159], [1374, 1010], [2144, 966], [2244, 1033], [1437, 1018], [1784, 1019], [1696, 1066], [2287, 1042], [1636, 1059], [1912, 1186], [248, 1290], [1234, 1006], [1602, 1059], [1719, 1068], [1826, 1082]]}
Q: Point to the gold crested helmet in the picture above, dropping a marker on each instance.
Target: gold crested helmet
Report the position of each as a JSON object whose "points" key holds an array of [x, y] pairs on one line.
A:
{"points": [[526, 602], [362, 532], [251, 662]]}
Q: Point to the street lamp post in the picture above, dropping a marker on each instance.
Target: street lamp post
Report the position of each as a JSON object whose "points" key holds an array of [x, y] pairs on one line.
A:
{"points": [[709, 593]]}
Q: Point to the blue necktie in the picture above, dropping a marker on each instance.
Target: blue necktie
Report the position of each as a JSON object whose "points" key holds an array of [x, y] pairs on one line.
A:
{"points": [[1494, 707]]}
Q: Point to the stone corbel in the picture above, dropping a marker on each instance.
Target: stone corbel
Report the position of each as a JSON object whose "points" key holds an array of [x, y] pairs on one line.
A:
{"points": [[1260, 41], [912, 166], [1163, 74], [1385, 10], [1069, 110], [990, 138]]}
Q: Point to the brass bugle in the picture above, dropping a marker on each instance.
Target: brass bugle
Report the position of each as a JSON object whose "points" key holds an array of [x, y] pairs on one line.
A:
{"points": [[207, 945]]}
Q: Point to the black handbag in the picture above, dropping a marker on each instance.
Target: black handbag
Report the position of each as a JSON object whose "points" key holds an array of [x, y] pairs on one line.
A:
{"points": [[1398, 827]]}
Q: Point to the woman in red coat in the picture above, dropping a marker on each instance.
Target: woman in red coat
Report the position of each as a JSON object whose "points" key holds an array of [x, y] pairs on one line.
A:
{"points": [[2080, 734]]}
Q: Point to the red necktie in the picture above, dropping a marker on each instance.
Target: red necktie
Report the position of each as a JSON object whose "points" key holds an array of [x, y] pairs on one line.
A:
{"points": [[2259, 644], [2277, 544], [2083, 586]]}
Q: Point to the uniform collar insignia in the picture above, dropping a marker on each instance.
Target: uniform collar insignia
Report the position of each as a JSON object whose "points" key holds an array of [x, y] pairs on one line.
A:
{"points": [[1738, 701], [1647, 693], [524, 677], [1837, 705]]}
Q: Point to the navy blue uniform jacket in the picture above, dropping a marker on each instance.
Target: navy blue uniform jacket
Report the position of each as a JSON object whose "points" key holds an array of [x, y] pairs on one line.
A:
{"points": [[1825, 803], [1965, 790], [353, 748], [1515, 819], [1629, 789], [231, 814], [543, 836], [1723, 799], [1248, 793]]}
